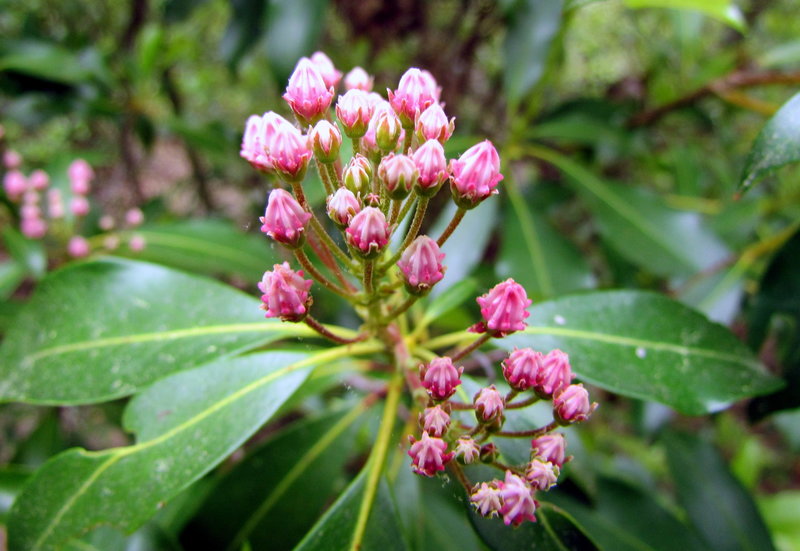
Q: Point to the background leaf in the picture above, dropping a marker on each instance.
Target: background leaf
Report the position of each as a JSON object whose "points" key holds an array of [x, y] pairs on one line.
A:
{"points": [[29, 253], [723, 10]]}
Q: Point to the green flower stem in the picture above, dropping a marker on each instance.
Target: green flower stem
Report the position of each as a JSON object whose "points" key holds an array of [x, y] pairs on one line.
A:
{"points": [[471, 348], [451, 227], [304, 261], [322, 330], [524, 403], [450, 339], [356, 146], [408, 303], [325, 176], [407, 139], [533, 433], [369, 266], [410, 236], [396, 204], [406, 207], [333, 174]]}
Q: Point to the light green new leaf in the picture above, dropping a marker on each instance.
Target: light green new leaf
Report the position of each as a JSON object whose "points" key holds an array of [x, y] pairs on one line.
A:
{"points": [[723, 10]]}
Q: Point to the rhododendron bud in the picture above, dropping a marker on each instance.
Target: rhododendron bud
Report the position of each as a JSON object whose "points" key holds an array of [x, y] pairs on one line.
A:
{"points": [[550, 447], [432, 167], [80, 176], [78, 247], [368, 232], [467, 450], [79, 205], [487, 498], [137, 243], [354, 111], [30, 210], [33, 228], [372, 200], [358, 79], [440, 378], [421, 264], [330, 75], [12, 160], [106, 222], [357, 175], [134, 217], [387, 130], [15, 184], [522, 368], [555, 374], [475, 175], [428, 455], [284, 219], [326, 139], [434, 420], [432, 124], [39, 180], [489, 453], [518, 503], [254, 143], [542, 475], [342, 206], [307, 94], [55, 203], [503, 309], [289, 153], [397, 174], [285, 293], [489, 404], [571, 405], [111, 242], [416, 91]]}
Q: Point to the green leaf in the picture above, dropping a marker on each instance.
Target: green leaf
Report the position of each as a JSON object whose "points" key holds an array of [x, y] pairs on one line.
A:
{"points": [[12, 479], [776, 145], [185, 424], [716, 503], [723, 10], [29, 253], [646, 346], [781, 512], [244, 28], [293, 28], [100, 330], [11, 275], [44, 60], [450, 299]]}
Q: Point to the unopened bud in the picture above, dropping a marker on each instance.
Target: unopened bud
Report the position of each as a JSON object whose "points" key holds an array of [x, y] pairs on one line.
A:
{"points": [[326, 139], [397, 174], [342, 206]]}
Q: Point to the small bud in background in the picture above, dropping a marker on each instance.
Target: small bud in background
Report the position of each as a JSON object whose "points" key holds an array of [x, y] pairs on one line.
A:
{"points": [[571, 405], [475, 175], [431, 166], [358, 79], [489, 404], [30, 210], [489, 453], [421, 264], [330, 75], [372, 200], [522, 368], [440, 378], [289, 153], [33, 228], [78, 247], [397, 174], [284, 219], [368, 232], [555, 375], [39, 180], [434, 420], [31, 197], [14, 184], [518, 502], [541, 475], [80, 176], [357, 175], [467, 450], [428, 455], [550, 447], [354, 110], [12, 160], [55, 203], [387, 130], [307, 94], [111, 242], [285, 293], [79, 205], [326, 139], [106, 222], [137, 243], [503, 308], [134, 217], [486, 498], [342, 206], [432, 124], [416, 91]]}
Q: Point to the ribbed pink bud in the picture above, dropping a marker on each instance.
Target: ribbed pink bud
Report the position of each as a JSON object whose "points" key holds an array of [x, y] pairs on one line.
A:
{"points": [[486, 498], [55, 204], [12, 160], [134, 217], [555, 375], [432, 167], [488, 404], [285, 293], [550, 447], [571, 405], [428, 455], [368, 232], [39, 180], [342, 206], [284, 219], [14, 184], [542, 475], [326, 139], [30, 210], [254, 143], [434, 420], [522, 368], [417, 90], [518, 502], [467, 450], [397, 174], [79, 205], [354, 111], [440, 377], [474, 175], [288, 152], [78, 247], [330, 75], [80, 176], [432, 124], [307, 94], [358, 79], [357, 175], [33, 228], [421, 264], [137, 243], [369, 141], [387, 130], [503, 309]]}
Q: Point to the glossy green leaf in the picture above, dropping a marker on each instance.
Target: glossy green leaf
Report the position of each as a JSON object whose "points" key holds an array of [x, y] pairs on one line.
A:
{"points": [[776, 145], [29, 253], [11, 275], [185, 424], [100, 330], [12, 480], [451, 298], [723, 10], [149, 537], [647, 346], [44, 60], [717, 505]]}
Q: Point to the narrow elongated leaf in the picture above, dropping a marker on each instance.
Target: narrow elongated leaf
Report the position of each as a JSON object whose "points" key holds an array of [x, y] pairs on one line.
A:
{"points": [[44, 60], [717, 504], [777, 144], [29, 253], [185, 424], [723, 10], [450, 299], [101, 330]]}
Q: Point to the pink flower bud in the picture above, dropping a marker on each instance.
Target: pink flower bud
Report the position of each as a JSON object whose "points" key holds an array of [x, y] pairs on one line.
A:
{"points": [[522, 368], [417, 90], [434, 420], [253, 144], [33, 228], [428, 455], [137, 243], [571, 405], [39, 180], [357, 175], [487, 498], [134, 217], [489, 453], [111, 242], [354, 110], [474, 175], [518, 502], [368, 232], [551, 448], [489, 404], [467, 450], [15, 184], [432, 167], [503, 308], [79, 205], [284, 219], [555, 375], [285, 293], [342, 206], [55, 204], [397, 174], [288, 152], [106, 222], [307, 94], [326, 139], [358, 79], [542, 475], [421, 264], [330, 75], [80, 176], [30, 210], [440, 377], [387, 130], [78, 247], [12, 160], [31, 197], [432, 124]]}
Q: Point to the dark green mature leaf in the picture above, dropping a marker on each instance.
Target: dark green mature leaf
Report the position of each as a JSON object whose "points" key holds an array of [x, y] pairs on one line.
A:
{"points": [[29, 253], [717, 504], [777, 144], [100, 330], [185, 424], [44, 60], [12, 479], [178, 10], [11, 275], [150, 537], [723, 10], [647, 346]]}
